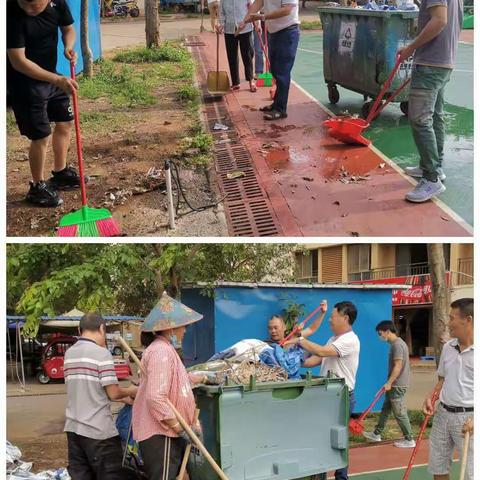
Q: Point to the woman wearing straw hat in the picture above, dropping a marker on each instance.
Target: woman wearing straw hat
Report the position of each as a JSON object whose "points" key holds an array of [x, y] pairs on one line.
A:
{"points": [[161, 439]]}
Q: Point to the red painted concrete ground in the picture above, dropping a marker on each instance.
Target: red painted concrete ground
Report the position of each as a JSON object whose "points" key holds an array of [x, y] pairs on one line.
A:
{"points": [[305, 172]]}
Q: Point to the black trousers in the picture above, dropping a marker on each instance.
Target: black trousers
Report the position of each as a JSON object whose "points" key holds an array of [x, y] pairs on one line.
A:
{"points": [[162, 457], [90, 459], [246, 50]]}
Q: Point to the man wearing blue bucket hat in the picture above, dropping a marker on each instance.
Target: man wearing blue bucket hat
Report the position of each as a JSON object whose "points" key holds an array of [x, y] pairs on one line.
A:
{"points": [[434, 51], [162, 440]]}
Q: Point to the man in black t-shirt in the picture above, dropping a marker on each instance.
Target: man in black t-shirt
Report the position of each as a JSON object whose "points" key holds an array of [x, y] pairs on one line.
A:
{"points": [[39, 95]]}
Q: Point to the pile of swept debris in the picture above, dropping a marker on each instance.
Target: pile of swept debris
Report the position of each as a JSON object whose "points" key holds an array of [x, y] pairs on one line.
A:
{"points": [[17, 469], [252, 358]]}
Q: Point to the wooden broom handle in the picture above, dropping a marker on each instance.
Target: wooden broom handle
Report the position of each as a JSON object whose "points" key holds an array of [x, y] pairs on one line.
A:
{"points": [[126, 346], [183, 468], [197, 441], [463, 466]]}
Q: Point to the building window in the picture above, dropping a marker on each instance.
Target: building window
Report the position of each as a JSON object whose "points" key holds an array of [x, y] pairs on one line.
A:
{"points": [[307, 266], [359, 262]]}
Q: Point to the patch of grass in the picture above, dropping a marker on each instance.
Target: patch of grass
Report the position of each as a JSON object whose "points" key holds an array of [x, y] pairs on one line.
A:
{"points": [[103, 122], [11, 124], [188, 93], [124, 86], [197, 149], [313, 25], [166, 52]]}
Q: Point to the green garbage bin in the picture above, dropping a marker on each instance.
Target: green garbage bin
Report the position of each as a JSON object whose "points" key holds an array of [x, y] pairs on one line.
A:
{"points": [[468, 21], [359, 50], [286, 430]]}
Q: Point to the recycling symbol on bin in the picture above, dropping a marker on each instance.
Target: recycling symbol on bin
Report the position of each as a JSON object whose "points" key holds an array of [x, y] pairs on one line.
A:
{"points": [[348, 34]]}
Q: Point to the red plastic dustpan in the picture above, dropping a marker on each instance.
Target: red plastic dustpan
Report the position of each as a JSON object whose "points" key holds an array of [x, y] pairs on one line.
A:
{"points": [[356, 425], [348, 129]]}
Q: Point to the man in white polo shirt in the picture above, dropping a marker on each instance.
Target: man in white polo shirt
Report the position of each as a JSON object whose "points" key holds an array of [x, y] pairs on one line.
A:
{"points": [[454, 414], [339, 356], [283, 27]]}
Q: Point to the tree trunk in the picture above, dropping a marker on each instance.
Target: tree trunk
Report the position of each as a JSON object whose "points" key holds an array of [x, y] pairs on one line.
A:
{"points": [[152, 23], [86, 52], [440, 296]]}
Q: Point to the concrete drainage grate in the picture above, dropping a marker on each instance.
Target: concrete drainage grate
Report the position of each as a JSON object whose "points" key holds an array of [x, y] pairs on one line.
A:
{"points": [[246, 205]]}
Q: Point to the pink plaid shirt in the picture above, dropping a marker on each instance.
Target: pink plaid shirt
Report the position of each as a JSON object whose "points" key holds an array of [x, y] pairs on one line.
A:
{"points": [[166, 378]]}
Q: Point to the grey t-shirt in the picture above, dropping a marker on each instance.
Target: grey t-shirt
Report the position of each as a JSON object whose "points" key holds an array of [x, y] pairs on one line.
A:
{"points": [[277, 24], [399, 351], [441, 51], [88, 369]]}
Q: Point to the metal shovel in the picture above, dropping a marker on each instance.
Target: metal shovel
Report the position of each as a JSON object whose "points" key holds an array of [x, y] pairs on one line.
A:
{"points": [[218, 82]]}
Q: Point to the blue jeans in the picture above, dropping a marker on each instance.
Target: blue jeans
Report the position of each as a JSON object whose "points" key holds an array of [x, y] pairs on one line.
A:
{"points": [[282, 50], [258, 52], [342, 473]]}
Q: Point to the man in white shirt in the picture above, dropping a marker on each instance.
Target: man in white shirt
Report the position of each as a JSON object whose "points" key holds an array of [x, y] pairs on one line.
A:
{"points": [[339, 356], [454, 415]]}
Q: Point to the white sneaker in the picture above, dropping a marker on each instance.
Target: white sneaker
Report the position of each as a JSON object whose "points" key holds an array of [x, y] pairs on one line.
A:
{"points": [[372, 437], [417, 172], [425, 190], [405, 443]]}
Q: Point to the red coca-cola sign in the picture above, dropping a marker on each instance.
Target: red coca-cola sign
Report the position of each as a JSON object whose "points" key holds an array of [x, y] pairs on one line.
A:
{"points": [[419, 293]]}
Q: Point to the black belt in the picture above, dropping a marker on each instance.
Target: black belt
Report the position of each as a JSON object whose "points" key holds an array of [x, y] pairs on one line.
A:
{"points": [[291, 27], [448, 408]]}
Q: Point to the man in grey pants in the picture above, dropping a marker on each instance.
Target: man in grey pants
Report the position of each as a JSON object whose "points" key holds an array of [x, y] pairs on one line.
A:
{"points": [[395, 388], [434, 50]]}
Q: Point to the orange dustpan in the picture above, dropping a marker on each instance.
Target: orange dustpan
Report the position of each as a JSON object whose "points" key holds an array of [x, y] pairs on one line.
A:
{"points": [[349, 129]]}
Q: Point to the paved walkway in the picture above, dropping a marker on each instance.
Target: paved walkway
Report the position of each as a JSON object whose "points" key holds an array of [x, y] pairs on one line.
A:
{"points": [[303, 177]]}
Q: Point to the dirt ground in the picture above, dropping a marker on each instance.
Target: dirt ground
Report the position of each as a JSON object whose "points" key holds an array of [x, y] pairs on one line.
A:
{"points": [[125, 165]]}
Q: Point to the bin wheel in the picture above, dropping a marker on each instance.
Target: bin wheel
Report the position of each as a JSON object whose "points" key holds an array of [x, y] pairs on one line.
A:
{"points": [[117, 351], [135, 12], [365, 98], [42, 378], [404, 107], [333, 94], [366, 107]]}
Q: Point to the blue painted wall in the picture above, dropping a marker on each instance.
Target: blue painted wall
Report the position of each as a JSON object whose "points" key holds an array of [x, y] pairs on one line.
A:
{"points": [[94, 36], [238, 313]]}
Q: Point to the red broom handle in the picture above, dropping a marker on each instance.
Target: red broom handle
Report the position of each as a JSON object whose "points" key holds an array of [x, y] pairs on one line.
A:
{"points": [[263, 48], [78, 137], [391, 97], [375, 400], [419, 438], [385, 86], [299, 327]]}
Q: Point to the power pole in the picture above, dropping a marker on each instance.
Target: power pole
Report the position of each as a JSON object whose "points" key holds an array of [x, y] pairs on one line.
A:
{"points": [[152, 23], [85, 45], [440, 296]]}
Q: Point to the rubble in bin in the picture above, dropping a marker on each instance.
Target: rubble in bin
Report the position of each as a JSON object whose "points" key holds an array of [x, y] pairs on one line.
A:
{"points": [[17, 469], [241, 373]]}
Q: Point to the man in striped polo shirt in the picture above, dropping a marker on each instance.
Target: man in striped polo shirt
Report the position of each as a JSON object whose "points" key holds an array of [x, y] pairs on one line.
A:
{"points": [[94, 447]]}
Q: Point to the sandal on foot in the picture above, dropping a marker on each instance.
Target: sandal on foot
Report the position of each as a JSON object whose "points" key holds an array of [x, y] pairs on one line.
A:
{"points": [[274, 115], [253, 88], [267, 108], [234, 88]]}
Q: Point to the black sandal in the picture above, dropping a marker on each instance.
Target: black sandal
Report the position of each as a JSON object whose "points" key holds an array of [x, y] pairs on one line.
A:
{"points": [[267, 108], [274, 115]]}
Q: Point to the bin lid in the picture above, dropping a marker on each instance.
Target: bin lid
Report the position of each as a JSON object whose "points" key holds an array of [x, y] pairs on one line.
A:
{"points": [[368, 13], [169, 313]]}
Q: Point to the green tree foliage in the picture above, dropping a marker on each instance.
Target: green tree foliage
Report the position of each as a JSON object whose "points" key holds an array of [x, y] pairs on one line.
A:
{"points": [[127, 278]]}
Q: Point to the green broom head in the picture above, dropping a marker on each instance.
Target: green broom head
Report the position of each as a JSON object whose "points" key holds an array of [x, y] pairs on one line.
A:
{"points": [[265, 80], [88, 222]]}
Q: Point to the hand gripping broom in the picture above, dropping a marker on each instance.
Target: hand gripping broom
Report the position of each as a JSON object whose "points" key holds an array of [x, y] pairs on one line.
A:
{"points": [[86, 222]]}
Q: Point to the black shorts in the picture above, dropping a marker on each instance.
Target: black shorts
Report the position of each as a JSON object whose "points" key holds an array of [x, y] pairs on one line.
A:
{"points": [[38, 105]]}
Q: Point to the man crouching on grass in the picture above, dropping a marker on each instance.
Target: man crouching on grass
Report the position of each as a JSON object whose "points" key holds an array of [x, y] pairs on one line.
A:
{"points": [[38, 94]]}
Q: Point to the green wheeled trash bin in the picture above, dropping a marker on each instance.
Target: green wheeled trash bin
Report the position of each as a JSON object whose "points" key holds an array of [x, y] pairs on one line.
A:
{"points": [[359, 51], [273, 431]]}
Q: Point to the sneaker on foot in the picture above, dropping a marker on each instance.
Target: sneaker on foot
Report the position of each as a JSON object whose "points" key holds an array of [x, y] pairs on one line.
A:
{"points": [[372, 437], [405, 443], [425, 190], [417, 172], [65, 179], [43, 195]]}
